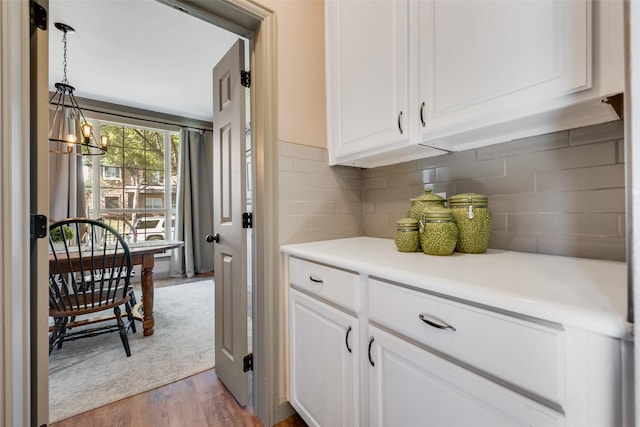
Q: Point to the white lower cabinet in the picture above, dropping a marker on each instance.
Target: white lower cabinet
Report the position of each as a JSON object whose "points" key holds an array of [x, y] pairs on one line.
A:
{"points": [[323, 362], [372, 351], [410, 386]]}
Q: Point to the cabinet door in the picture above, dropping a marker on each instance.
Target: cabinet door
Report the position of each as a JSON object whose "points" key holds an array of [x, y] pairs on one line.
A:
{"points": [[484, 61], [323, 362], [410, 386], [367, 73]]}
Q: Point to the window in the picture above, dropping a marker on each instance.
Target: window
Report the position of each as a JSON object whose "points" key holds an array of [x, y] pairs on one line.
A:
{"points": [[153, 202], [111, 172], [137, 179], [111, 202]]}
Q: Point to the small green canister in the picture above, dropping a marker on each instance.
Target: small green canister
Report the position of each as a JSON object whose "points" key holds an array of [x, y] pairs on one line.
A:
{"points": [[407, 237], [422, 201], [438, 231], [471, 212]]}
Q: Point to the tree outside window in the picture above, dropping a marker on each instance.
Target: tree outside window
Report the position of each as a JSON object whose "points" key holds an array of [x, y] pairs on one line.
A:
{"points": [[137, 177]]}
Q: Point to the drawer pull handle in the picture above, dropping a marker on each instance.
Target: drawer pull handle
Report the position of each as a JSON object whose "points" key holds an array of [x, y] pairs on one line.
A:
{"points": [[315, 279], [436, 323], [422, 120], [400, 123], [346, 339], [370, 359]]}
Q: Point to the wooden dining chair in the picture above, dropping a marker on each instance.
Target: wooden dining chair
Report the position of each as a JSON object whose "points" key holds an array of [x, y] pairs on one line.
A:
{"points": [[89, 273], [123, 226]]}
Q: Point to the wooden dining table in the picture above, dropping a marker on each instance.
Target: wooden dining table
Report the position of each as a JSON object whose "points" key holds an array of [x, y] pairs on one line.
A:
{"points": [[143, 254]]}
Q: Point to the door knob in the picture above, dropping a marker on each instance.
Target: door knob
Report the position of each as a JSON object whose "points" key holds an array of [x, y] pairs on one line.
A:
{"points": [[213, 238]]}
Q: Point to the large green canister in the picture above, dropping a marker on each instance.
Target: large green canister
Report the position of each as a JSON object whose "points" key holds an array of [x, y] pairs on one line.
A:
{"points": [[471, 212], [422, 201], [438, 231]]}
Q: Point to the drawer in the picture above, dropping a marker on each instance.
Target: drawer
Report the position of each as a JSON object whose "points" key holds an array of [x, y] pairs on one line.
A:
{"points": [[331, 284], [522, 353]]}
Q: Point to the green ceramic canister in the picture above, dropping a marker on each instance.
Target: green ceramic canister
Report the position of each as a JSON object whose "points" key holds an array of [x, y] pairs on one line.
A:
{"points": [[438, 231], [407, 237], [471, 212], [422, 201]]}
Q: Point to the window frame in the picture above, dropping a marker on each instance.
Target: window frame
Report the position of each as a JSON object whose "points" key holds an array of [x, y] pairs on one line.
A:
{"points": [[169, 210]]}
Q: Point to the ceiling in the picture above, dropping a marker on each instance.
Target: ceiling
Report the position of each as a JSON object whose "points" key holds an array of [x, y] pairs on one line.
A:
{"points": [[138, 53]]}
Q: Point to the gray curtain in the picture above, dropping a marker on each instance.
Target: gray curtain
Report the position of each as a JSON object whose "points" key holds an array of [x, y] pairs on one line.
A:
{"points": [[194, 204], [66, 186]]}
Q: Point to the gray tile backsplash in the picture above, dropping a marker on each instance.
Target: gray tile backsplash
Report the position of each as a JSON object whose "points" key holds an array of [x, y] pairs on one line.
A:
{"points": [[560, 193], [317, 202]]}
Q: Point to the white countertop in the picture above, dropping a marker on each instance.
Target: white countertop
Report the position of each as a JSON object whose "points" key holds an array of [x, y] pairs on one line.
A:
{"points": [[582, 293]]}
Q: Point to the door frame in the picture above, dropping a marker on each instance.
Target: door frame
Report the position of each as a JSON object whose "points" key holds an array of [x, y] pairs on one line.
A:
{"points": [[15, 274], [19, 379], [258, 24]]}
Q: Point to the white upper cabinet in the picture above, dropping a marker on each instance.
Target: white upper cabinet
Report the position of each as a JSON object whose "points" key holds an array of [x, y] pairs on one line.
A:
{"points": [[367, 78], [461, 74], [480, 59]]}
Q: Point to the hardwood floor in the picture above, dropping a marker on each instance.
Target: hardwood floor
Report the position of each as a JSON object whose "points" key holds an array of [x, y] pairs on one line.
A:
{"points": [[197, 401]]}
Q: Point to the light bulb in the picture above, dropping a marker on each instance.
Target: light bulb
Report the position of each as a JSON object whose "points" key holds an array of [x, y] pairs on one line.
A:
{"points": [[86, 130], [104, 141]]}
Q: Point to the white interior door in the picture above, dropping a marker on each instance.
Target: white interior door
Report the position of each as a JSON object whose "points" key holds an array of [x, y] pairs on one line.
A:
{"points": [[229, 188]]}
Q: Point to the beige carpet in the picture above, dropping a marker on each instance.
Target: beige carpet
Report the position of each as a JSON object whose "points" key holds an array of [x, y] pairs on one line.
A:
{"points": [[93, 372]]}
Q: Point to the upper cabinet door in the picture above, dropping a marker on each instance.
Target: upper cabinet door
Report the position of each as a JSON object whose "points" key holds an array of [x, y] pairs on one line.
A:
{"points": [[484, 59], [410, 79], [367, 75]]}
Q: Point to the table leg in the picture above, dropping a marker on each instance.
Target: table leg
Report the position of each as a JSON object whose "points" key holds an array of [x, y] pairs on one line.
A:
{"points": [[146, 279]]}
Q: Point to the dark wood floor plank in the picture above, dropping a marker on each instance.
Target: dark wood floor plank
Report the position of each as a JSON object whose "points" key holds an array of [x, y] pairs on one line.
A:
{"points": [[208, 385], [293, 421]]}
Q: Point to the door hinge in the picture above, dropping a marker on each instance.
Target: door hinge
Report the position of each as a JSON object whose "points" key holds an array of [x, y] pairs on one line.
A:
{"points": [[247, 220], [247, 363], [38, 15], [38, 226], [245, 78]]}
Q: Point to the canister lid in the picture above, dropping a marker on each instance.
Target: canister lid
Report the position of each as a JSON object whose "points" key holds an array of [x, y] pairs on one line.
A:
{"points": [[407, 223], [466, 199], [427, 197], [436, 213]]}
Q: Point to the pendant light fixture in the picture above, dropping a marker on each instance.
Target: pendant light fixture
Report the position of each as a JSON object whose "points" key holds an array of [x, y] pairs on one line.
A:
{"points": [[69, 131]]}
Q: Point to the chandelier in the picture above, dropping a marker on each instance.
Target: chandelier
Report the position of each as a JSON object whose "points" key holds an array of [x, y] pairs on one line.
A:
{"points": [[69, 131]]}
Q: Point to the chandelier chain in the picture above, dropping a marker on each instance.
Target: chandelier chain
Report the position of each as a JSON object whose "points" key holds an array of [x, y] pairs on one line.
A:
{"points": [[64, 61]]}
